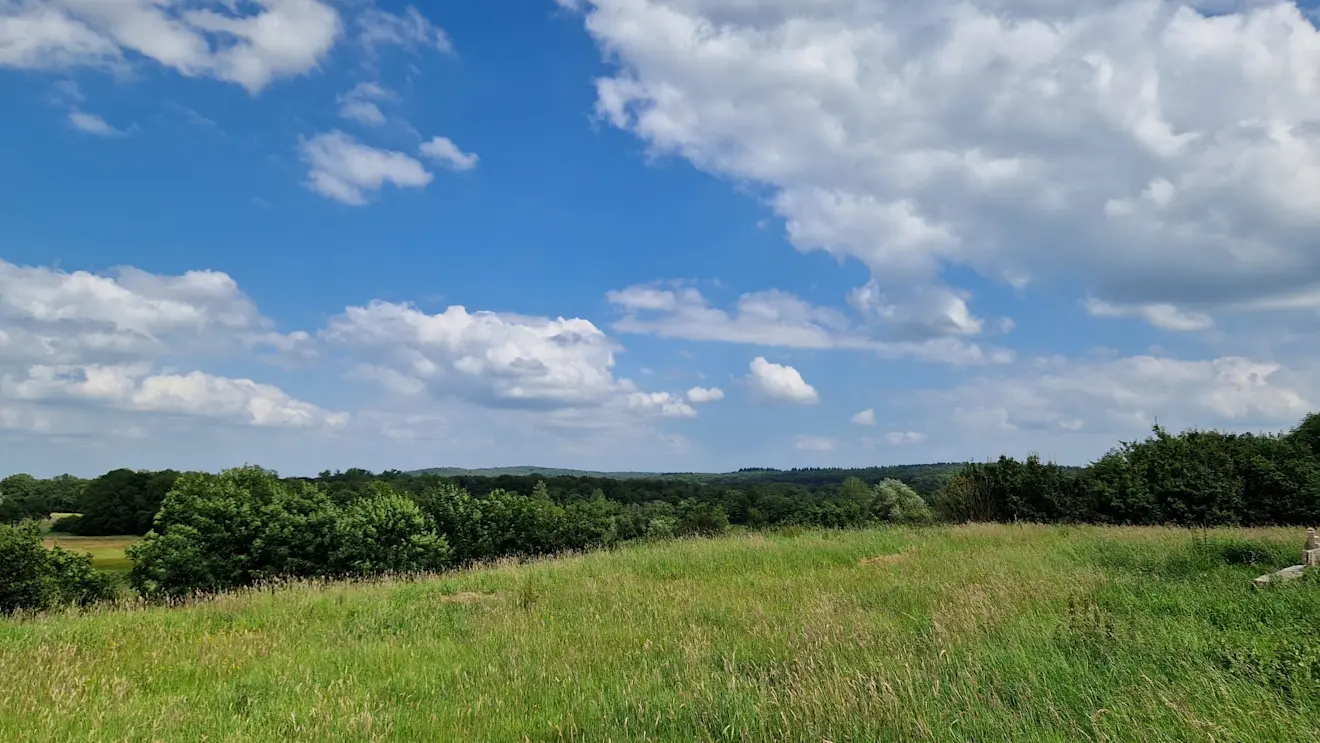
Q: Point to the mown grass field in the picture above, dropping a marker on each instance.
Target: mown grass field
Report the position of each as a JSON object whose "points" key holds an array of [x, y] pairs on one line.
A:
{"points": [[108, 553], [982, 633]]}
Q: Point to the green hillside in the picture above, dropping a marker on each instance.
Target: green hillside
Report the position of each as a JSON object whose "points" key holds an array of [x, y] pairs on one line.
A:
{"points": [[977, 633]]}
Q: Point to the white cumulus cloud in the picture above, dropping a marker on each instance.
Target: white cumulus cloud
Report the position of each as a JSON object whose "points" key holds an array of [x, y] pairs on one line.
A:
{"points": [[778, 382], [251, 43], [1125, 396], [493, 359], [445, 152], [50, 316], [778, 319], [865, 418], [134, 387], [1162, 155], [699, 395], [344, 169]]}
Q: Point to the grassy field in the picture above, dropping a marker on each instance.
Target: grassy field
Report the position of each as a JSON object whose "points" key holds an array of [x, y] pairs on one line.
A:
{"points": [[107, 552], [982, 633]]}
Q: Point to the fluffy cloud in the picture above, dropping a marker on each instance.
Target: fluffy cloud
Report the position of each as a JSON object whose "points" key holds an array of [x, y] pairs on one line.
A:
{"points": [[700, 395], [250, 44], [445, 152], [93, 124], [344, 169], [865, 418], [778, 382], [666, 404], [134, 387], [814, 443], [361, 104], [776, 319], [54, 317], [1124, 396], [497, 360], [80, 341], [1152, 150], [96, 358]]}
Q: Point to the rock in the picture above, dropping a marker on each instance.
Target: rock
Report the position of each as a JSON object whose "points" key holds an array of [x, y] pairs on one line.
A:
{"points": [[1287, 573], [1312, 541], [1311, 558]]}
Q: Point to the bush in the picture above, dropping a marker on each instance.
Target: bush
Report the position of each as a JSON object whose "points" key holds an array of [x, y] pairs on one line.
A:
{"points": [[705, 519], [387, 533], [123, 502], [37, 579], [218, 532], [244, 526], [22, 497], [457, 517], [900, 504]]}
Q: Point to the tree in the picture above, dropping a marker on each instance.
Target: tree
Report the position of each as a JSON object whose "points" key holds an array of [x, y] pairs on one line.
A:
{"points": [[458, 518], [387, 533], [22, 497], [36, 579], [218, 532], [64, 493], [696, 517], [900, 504], [589, 524], [123, 501], [514, 524]]}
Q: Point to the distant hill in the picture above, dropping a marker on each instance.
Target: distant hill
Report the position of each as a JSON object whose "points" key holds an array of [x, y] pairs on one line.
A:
{"points": [[905, 472], [525, 470]]}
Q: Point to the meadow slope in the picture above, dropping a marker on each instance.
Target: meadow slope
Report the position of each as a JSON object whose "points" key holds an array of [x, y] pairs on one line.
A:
{"points": [[1017, 633]]}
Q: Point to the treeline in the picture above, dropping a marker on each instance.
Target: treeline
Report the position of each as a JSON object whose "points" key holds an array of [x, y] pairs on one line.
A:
{"points": [[126, 501], [245, 526], [212, 532], [1195, 478], [926, 479], [24, 497]]}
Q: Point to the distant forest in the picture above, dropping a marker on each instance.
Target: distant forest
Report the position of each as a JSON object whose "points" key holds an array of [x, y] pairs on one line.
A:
{"points": [[1193, 478], [212, 532]]}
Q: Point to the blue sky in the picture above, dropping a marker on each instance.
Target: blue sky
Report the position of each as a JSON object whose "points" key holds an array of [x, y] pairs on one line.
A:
{"points": [[311, 234]]}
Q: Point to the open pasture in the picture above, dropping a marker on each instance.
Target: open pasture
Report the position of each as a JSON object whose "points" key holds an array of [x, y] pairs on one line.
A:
{"points": [[1023, 633]]}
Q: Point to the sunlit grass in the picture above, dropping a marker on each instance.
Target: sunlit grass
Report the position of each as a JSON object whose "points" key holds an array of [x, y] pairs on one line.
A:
{"points": [[108, 553], [969, 633]]}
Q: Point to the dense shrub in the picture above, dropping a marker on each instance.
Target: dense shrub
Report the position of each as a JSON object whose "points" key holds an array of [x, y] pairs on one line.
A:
{"points": [[386, 533], [22, 497], [1195, 478], [245, 526], [900, 504], [34, 578], [123, 502]]}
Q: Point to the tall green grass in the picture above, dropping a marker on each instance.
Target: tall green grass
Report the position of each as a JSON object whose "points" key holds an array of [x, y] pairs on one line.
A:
{"points": [[982, 633]]}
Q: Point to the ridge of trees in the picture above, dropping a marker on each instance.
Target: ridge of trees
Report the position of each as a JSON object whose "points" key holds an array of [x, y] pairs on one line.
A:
{"points": [[1194, 478], [247, 526], [211, 532]]}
